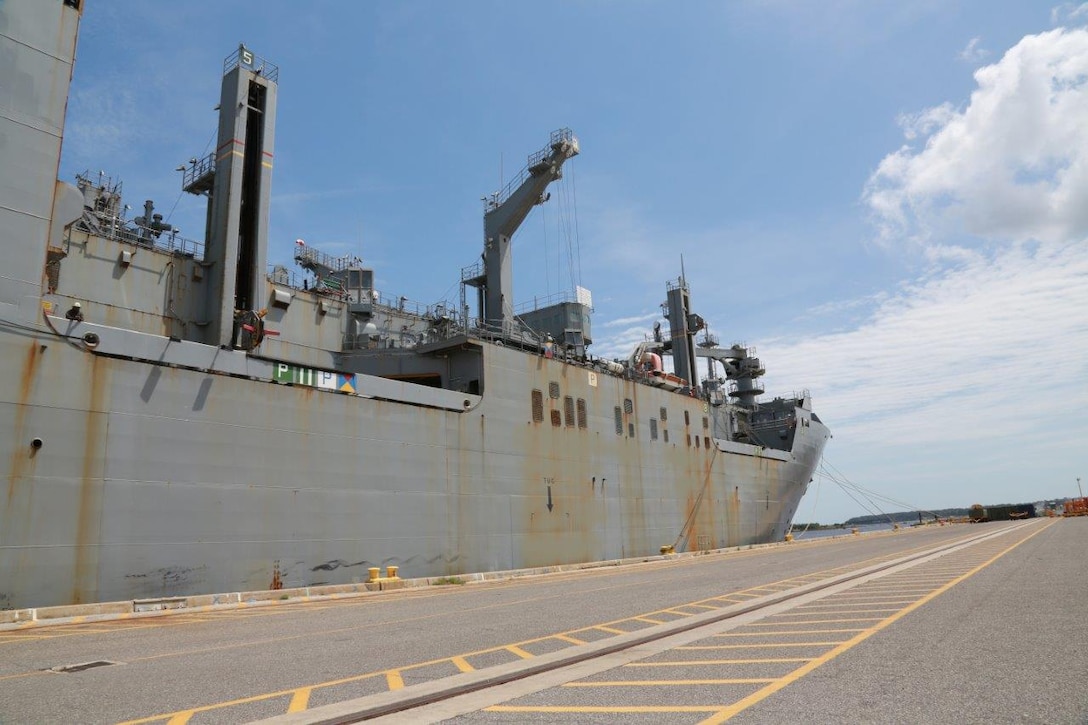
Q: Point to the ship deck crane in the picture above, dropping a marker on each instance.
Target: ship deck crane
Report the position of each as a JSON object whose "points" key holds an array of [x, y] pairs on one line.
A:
{"points": [[504, 212]]}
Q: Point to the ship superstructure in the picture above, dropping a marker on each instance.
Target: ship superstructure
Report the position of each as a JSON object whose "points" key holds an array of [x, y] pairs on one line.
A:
{"points": [[179, 419]]}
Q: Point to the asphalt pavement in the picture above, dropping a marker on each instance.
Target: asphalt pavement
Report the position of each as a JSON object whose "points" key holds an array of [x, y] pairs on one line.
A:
{"points": [[1005, 644]]}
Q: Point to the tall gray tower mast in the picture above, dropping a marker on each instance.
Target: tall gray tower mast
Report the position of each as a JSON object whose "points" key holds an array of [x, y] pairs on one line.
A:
{"points": [[504, 213], [683, 324], [237, 180]]}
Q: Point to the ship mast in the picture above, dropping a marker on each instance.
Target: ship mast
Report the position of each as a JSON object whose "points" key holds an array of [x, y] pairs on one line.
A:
{"points": [[237, 178], [504, 211], [683, 324]]}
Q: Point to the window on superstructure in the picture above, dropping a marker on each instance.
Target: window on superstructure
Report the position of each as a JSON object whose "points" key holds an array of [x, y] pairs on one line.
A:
{"points": [[583, 421], [628, 406], [557, 419], [706, 442], [696, 441], [706, 423], [664, 415], [568, 411], [630, 430], [538, 406], [653, 429], [689, 440], [665, 433], [687, 418], [553, 390], [619, 420]]}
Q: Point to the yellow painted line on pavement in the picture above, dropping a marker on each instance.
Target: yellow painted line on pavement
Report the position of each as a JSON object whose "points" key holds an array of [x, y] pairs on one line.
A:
{"points": [[674, 683], [834, 610], [394, 678], [300, 700], [854, 605], [648, 620], [867, 602], [760, 646], [868, 598], [91, 629], [25, 635], [789, 631], [589, 709], [518, 651], [895, 591], [170, 716], [686, 663], [462, 664], [14, 640], [936, 580], [181, 718], [816, 621], [863, 635], [32, 673]]}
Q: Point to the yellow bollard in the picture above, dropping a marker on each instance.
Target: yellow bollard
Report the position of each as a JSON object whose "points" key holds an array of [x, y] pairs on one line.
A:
{"points": [[854, 531], [789, 537], [373, 571], [391, 572]]}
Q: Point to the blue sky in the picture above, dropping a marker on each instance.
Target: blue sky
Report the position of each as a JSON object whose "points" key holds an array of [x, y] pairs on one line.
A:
{"points": [[886, 199]]}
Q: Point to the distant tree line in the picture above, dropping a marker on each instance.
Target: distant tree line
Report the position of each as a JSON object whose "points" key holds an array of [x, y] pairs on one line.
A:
{"points": [[906, 516], [912, 516]]}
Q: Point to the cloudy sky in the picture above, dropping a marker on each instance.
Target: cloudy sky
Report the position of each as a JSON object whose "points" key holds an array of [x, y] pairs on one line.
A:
{"points": [[886, 199]]}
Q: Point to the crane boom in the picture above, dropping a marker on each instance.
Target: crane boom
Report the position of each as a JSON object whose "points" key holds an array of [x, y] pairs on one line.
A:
{"points": [[505, 211]]}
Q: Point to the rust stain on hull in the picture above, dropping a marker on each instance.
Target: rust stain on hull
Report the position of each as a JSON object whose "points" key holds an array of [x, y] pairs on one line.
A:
{"points": [[88, 523], [732, 531], [21, 457], [277, 577]]}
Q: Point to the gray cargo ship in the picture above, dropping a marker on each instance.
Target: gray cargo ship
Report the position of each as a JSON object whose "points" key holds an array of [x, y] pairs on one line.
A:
{"points": [[175, 419]]}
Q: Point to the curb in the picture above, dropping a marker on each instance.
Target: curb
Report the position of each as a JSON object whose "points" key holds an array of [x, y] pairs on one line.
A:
{"points": [[13, 619]]}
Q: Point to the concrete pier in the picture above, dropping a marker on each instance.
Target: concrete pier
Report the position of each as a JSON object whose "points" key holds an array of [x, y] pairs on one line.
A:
{"points": [[963, 623]]}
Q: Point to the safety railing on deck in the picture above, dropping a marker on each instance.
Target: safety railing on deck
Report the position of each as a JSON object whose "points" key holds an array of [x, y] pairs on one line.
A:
{"points": [[246, 58], [198, 170], [119, 230], [311, 258], [535, 159], [553, 299]]}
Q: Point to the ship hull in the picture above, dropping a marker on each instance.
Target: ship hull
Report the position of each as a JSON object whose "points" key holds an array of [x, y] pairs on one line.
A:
{"points": [[154, 480], [154, 441]]}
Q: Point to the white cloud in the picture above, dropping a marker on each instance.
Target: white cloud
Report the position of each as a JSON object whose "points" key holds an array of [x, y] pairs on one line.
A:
{"points": [[922, 124], [1012, 165], [974, 53], [970, 381], [1069, 13], [645, 318], [838, 308], [620, 343], [994, 350]]}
